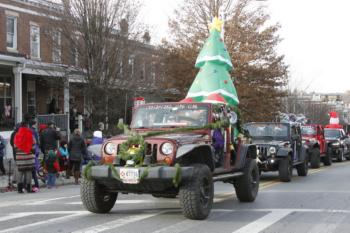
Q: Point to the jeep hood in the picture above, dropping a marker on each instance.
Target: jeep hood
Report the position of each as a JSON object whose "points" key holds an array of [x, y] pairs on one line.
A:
{"points": [[181, 138], [268, 142]]}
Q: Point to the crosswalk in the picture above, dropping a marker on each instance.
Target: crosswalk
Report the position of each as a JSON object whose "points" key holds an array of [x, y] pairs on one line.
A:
{"points": [[167, 219], [140, 214]]}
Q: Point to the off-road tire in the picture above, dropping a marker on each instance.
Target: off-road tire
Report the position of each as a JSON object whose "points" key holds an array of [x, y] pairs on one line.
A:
{"points": [[327, 159], [196, 194], [247, 186], [315, 159], [95, 199], [303, 168], [285, 169], [340, 156]]}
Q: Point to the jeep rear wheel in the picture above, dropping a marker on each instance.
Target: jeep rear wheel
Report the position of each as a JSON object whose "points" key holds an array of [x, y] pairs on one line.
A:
{"points": [[315, 158], [196, 195], [303, 168], [327, 159], [285, 169], [95, 198], [247, 186]]}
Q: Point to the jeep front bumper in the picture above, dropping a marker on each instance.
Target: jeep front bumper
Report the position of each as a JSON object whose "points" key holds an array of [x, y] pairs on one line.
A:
{"points": [[159, 180], [154, 173]]}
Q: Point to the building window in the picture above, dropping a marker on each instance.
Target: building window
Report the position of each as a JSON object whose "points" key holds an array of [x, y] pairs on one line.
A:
{"points": [[56, 47], [34, 41], [11, 32], [31, 106]]}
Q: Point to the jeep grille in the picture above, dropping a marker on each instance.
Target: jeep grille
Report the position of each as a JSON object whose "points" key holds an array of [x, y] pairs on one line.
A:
{"points": [[262, 150]]}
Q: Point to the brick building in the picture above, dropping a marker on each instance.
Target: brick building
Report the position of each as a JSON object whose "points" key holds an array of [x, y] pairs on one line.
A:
{"points": [[36, 77]]}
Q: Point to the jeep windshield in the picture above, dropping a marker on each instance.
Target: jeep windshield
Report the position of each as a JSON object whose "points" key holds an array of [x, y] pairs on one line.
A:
{"points": [[267, 131], [332, 134], [170, 116], [308, 130]]}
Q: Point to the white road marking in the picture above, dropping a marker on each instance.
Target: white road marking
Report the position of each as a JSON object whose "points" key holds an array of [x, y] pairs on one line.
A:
{"points": [[44, 202], [14, 216], [264, 222], [48, 221], [328, 224], [117, 223], [186, 225]]}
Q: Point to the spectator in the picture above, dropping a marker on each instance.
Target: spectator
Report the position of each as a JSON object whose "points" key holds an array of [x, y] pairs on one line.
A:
{"points": [[76, 150], [52, 167], [32, 126], [49, 139], [2, 154], [25, 158], [63, 156], [97, 138]]}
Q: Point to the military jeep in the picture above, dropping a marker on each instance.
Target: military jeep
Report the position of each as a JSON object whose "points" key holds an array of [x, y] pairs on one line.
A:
{"points": [[279, 148], [182, 143]]}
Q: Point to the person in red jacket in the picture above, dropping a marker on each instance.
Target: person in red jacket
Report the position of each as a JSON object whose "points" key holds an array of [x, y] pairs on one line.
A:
{"points": [[25, 159]]}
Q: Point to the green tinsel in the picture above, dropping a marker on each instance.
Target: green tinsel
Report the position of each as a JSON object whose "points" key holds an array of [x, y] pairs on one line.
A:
{"points": [[87, 170], [144, 173], [114, 172], [177, 177]]}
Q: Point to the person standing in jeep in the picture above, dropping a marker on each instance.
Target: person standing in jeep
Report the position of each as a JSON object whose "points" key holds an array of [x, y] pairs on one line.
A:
{"points": [[76, 150]]}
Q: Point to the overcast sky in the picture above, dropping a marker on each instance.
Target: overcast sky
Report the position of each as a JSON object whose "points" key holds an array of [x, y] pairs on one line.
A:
{"points": [[316, 37]]}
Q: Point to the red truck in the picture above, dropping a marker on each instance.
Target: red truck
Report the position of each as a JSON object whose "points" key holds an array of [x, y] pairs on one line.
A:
{"points": [[313, 137]]}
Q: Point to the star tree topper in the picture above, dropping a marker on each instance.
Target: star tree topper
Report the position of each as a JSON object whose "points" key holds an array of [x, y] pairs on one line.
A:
{"points": [[216, 24]]}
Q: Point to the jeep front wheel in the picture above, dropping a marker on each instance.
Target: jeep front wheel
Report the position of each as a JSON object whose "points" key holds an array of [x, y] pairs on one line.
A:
{"points": [[285, 169], [327, 159], [247, 186], [315, 158], [340, 156], [94, 197], [196, 194]]}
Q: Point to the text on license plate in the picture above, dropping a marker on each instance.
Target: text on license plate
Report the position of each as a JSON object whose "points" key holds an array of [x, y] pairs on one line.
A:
{"points": [[129, 175]]}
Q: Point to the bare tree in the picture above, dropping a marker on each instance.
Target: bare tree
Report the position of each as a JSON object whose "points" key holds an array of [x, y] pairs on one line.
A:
{"points": [[100, 37]]}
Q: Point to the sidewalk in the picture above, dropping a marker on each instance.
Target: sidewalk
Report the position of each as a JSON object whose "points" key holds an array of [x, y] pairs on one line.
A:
{"points": [[4, 181]]}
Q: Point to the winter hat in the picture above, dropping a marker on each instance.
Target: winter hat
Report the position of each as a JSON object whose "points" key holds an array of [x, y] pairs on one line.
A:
{"points": [[97, 134]]}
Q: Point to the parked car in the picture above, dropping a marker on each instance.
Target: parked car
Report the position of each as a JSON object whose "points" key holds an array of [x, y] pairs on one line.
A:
{"points": [[188, 151], [338, 143], [280, 148], [313, 137]]}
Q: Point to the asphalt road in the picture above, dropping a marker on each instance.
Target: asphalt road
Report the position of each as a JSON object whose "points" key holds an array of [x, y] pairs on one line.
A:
{"points": [[317, 203]]}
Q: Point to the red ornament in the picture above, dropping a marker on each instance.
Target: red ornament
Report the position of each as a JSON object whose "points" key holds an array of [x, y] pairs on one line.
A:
{"points": [[225, 81]]}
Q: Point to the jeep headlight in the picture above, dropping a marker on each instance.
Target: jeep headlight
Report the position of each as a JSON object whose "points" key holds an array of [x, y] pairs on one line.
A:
{"points": [[110, 148], [272, 150], [335, 144], [167, 148], [312, 140]]}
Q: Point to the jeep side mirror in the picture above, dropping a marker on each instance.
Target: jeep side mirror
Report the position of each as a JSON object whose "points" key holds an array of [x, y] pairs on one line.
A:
{"points": [[233, 118]]}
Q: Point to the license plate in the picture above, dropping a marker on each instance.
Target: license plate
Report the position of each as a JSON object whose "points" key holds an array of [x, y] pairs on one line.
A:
{"points": [[129, 175]]}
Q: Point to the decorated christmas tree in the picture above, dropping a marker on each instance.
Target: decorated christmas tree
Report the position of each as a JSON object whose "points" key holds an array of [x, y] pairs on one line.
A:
{"points": [[213, 82]]}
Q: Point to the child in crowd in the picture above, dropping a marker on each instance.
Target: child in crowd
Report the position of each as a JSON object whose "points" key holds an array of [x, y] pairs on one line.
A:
{"points": [[52, 167], [63, 156]]}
